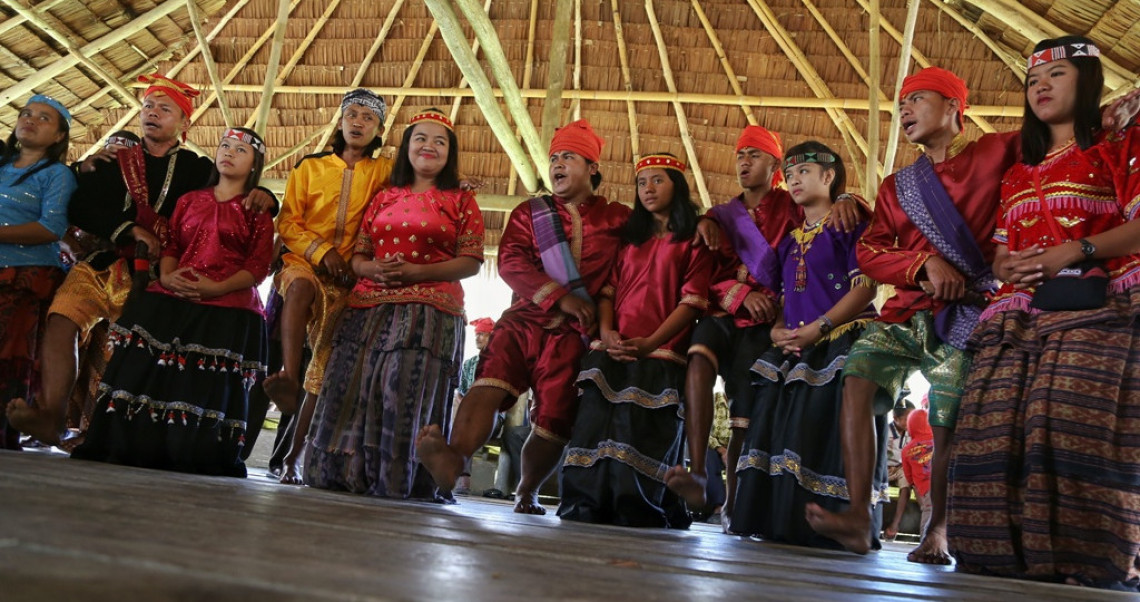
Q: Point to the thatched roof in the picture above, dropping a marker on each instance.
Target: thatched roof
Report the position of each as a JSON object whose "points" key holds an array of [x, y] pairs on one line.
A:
{"points": [[682, 76]]}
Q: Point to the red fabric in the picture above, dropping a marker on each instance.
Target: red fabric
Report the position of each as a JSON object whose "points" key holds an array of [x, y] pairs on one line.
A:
{"points": [[761, 138], [182, 94], [892, 250], [918, 426], [218, 239], [776, 215], [941, 81], [482, 325], [577, 137], [919, 453]]}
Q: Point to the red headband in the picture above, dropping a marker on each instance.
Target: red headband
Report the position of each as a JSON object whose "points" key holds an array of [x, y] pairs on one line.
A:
{"points": [[659, 162], [482, 325], [432, 115], [761, 138], [579, 138], [181, 94], [941, 81], [1063, 51]]}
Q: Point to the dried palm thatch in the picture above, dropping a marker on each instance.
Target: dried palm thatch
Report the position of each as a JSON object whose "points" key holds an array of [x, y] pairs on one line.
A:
{"points": [[680, 76]]}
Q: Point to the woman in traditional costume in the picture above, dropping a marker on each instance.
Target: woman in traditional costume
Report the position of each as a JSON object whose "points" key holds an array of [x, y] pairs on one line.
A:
{"points": [[628, 432], [1045, 482], [35, 188], [397, 351], [175, 394], [792, 454]]}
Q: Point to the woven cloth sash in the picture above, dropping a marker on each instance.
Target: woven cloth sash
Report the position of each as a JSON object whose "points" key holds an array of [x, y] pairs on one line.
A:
{"points": [[748, 241], [925, 201], [554, 248], [132, 164]]}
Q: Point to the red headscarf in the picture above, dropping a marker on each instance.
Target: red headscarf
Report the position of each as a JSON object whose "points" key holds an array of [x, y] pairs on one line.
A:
{"points": [[761, 138], [941, 81], [181, 94], [482, 325], [918, 427], [579, 138]]}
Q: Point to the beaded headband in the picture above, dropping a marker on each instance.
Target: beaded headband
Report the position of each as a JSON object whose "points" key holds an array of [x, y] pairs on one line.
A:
{"points": [[812, 157], [251, 139], [659, 162], [432, 115], [1063, 51]]}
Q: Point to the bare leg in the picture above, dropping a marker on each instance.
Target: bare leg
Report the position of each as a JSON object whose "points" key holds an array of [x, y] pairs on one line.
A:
{"points": [[852, 528], [690, 484], [540, 459], [934, 548], [284, 388], [60, 363], [473, 425], [735, 444], [290, 474]]}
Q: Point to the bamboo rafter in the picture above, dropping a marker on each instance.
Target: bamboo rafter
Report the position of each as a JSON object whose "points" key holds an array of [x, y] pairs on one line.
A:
{"points": [[871, 180], [720, 55], [15, 21], [413, 72], [627, 83], [208, 59], [528, 71], [678, 108], [576, 104], [556, 71], [900, 75], [463, 78], [260, 120]]}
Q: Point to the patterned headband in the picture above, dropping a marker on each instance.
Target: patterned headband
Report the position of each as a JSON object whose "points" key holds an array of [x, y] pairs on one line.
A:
{"points": [[367, 99], [247, 137], [122, 141], [432, 115], [1063, 51], [813, 157], [660, 162]]}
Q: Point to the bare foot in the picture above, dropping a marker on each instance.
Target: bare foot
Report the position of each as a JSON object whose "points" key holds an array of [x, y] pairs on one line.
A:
{"points": [[852, 529], [444, 463], [284, 392], [932, 550], [690, 486], [528, 503], [289, 473], [35, 421]]}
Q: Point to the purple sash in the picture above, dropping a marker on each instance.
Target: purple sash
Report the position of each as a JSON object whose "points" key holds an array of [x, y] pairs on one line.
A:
{"points": [[748, 242], [553, 248], [925, 201]]}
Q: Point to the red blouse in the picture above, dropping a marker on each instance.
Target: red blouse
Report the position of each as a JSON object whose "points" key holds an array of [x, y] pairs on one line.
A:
{"points": [[218, 239], [426, 227]]}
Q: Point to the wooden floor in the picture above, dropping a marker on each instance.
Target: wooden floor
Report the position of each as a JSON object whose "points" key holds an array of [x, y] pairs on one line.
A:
{"points": [[94, 532]]}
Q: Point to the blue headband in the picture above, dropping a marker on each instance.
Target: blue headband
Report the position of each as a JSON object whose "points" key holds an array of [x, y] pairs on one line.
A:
{"points": [[53, 103]]}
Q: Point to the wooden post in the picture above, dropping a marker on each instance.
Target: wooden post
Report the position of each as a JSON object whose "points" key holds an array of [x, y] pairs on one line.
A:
{"points": [[556, 71], [576, 104], [17, 20], [871, 181], [900, 75], [208, 59], [528, 71]]}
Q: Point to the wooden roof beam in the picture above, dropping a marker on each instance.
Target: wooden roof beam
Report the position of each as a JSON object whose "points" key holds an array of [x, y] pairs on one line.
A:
{"points": [[381, 36], [117, 36], [262, 114], [678, 108], [456, 41], [501, 68], [528, 71], [208, 59], [710, 31], [17, 20], [556, 71], [627, 82]]}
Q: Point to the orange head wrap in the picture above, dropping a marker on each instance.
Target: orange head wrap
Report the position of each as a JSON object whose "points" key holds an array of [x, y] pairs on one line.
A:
{"points": [[761, 138], [941, 81], [482, 325], [182, 94], [579, 138]]}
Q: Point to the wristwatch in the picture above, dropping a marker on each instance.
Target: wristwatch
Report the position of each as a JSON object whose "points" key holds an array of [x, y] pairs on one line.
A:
{"points": [[1087, 248], [825, 325]]}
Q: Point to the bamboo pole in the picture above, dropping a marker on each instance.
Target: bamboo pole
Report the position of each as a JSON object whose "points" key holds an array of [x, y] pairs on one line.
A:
{"points": [[900, 75], [627, 83], [1015, 63], [678, 109], [271, 68], [208, 59], [528, 71], [296, 147], [413, 72], [710, 31], [576, 104], [871, 181], [456, 41], [463, 78], [117, 36], [556, 71], [501, 69], [17, 20], [361, 70]]}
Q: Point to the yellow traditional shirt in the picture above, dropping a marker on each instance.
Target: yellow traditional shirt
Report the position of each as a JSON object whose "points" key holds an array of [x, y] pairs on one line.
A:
{"points": [[325, 203]]}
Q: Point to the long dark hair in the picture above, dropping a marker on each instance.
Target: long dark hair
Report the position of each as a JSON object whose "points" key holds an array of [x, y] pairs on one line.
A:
{"points": [[404, 175], [1036, 137], [682, 213], [56, 153], [339, 144], [254, 177], [839, 183]]}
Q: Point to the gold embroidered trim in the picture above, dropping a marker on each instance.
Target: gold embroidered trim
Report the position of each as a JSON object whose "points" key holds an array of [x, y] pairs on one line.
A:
{"points": [[497, 384], [122, 228], [622, 452], [548, 435], [696, 301], [547, 289], [639, 397], [316, 244], [342, 207], [703, 350], [575, 234]]}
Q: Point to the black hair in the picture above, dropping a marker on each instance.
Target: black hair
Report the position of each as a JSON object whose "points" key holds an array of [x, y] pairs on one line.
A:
{"points": [[404, 175], [1036, 137], [640, 225], [839, 183], [55, 153], [254, 177], [339, 144], [596, 179]]}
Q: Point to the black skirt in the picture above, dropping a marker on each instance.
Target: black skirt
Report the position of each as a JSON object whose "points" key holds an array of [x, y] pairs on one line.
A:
{"points": [[175, 395]]}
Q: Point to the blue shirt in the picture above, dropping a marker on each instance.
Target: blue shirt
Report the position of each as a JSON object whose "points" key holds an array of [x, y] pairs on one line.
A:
{"points": [[42, 198]]}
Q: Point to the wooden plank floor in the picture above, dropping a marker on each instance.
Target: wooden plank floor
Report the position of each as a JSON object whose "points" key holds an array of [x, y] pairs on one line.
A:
{"points": [[90, 531]]}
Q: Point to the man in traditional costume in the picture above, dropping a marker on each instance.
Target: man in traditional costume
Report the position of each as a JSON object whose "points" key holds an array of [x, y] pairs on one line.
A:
{"points": [[556, 253], [930, 237], [125, 197]]}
